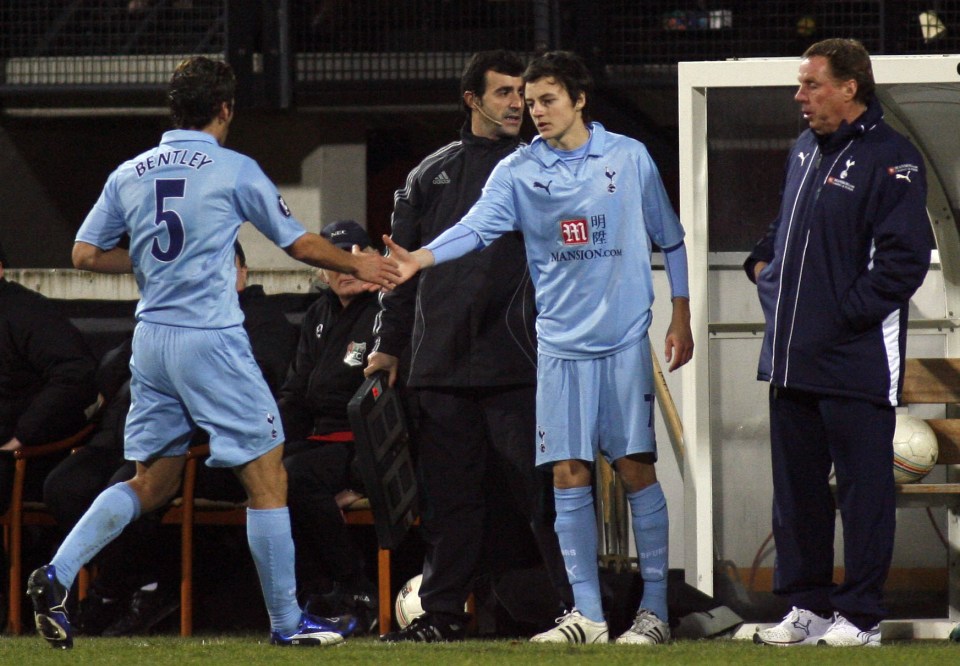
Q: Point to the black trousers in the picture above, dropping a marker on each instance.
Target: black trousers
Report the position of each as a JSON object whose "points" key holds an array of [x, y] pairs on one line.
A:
{"points": [[316, 472], [477, 449], [808, 433]]}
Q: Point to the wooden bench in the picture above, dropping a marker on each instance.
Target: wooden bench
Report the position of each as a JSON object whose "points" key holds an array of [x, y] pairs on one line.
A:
{"points": [[188, 511], [22, 513], [104, 324], [934, 381]]}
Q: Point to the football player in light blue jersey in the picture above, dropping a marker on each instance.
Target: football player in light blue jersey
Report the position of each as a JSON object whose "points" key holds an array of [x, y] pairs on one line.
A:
{"points": [[182, 204], [589, 202]]}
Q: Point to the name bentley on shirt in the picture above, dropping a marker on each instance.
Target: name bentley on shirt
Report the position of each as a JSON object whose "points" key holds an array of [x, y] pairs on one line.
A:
{"points": [[188, 158]]}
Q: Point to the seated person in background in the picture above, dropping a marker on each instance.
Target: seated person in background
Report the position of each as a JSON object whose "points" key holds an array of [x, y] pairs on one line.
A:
{"points": [[273, 338], [335, 338], [46, 380], [126, 599], [71, 487]]}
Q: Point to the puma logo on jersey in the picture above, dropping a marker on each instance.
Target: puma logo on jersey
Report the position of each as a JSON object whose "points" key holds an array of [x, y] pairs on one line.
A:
{"points": [[537, 184], [904, 176]]}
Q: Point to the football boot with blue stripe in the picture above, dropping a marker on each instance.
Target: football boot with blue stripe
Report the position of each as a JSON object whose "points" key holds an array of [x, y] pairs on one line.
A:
{"points": [[315, 630], [49, 599]]}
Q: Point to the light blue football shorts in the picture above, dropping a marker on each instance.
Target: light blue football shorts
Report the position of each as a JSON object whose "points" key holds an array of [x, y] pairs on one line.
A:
{"points": [[595, 405], [189, 378]]}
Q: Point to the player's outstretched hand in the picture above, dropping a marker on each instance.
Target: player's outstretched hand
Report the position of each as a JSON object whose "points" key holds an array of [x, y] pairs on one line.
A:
{"points": [[381, 272], [409, 263]]}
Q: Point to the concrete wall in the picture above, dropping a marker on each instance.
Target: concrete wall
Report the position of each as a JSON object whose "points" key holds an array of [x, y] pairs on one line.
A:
{"points": [[69, 283], [333, 186]]}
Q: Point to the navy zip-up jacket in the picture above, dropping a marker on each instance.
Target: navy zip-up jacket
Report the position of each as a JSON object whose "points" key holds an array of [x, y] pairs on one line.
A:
{"points": [[850, 246]]}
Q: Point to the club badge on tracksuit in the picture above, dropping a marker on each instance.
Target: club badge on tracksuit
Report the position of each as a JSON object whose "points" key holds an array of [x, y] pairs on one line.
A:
{"points": [[355, 353]]}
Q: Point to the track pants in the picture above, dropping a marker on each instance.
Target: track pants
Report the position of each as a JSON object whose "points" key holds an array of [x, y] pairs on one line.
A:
{"points": [[808, 433], [470, 440]]}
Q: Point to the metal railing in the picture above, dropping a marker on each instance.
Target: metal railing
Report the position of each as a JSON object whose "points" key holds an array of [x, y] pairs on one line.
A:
{"points": [[109, 44]]}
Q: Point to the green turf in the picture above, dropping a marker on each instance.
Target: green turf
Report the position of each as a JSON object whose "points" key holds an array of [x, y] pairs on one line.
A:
{"points": [[240, 650]]}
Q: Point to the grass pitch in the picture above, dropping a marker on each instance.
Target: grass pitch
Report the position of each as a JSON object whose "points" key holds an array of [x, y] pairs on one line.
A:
{"points": [[253, 649]]}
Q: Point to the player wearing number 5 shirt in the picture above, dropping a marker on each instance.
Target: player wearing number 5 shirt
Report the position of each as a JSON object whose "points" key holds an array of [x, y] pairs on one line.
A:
{"points": [[182, 204]]}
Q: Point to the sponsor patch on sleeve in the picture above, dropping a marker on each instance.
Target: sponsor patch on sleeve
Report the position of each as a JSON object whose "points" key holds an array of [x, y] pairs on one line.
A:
{"points": [[284, 209], [903, 171]]}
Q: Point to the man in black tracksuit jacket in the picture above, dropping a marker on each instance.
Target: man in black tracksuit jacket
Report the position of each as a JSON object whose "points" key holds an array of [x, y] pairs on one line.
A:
{"points": [[335, 337], [472, 357], [835, 274], [46, 380]]}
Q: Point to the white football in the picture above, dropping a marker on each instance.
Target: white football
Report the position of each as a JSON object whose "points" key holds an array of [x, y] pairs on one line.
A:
{"points": [[407, 607], [914, 449]]}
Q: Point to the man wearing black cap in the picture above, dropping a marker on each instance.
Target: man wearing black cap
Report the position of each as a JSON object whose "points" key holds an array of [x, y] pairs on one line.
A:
{"points": [[335, 338]]}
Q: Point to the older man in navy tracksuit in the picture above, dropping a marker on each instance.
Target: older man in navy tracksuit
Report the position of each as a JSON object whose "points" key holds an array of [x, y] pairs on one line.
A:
{"points": [[835, 273]]}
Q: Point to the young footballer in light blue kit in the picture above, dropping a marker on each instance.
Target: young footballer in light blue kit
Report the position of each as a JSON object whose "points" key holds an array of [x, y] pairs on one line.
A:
{"points": [[588, 202], [182, 204]]}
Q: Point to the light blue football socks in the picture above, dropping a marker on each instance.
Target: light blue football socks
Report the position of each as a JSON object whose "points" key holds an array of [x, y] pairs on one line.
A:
{"points": [[576, 528], [651, 531], [114, 509], [271, 544]]}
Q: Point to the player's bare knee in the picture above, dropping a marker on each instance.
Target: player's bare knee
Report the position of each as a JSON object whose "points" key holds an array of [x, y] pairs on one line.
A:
{"points": [[265, 481], [637, 471], [154, 493], [571, 474]]}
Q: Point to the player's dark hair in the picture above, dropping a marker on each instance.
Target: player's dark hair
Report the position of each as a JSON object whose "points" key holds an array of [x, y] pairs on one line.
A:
{"points": [[198, 87], [3, 257], [568, 70], [474, 77], [848, 59], [241, 255]]}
